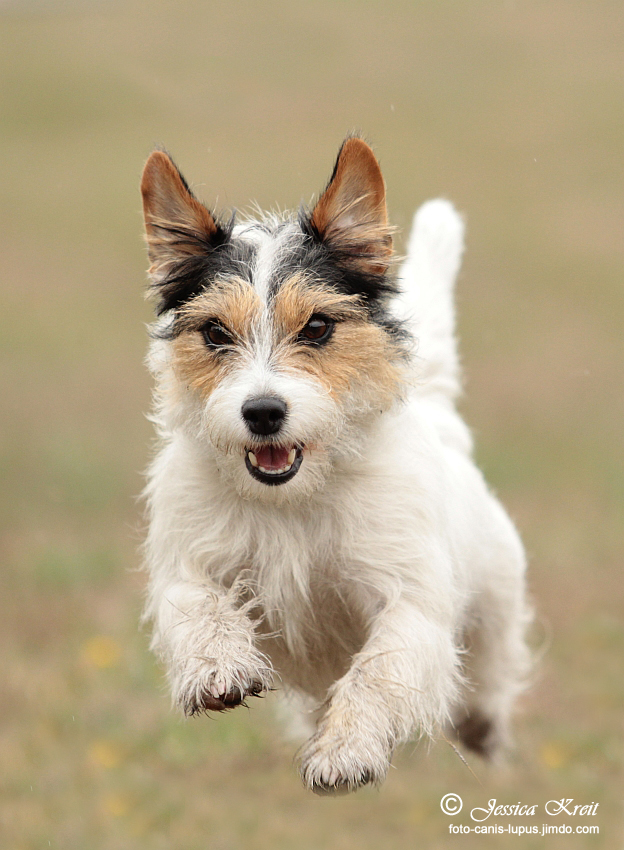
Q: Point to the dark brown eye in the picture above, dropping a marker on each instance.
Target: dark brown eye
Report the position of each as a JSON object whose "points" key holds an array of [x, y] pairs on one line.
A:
{"points": [[215, 335], [318, 330]]}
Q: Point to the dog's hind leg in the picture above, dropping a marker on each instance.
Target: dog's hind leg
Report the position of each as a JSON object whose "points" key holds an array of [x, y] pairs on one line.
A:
{"points": [[298, 714], [496, 666]]}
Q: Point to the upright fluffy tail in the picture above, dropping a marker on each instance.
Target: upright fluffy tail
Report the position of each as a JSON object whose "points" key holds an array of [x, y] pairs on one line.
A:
{"points": [[426, 304]]}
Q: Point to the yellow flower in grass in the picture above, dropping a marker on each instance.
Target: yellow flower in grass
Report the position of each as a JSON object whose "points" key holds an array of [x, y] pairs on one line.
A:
{"points": [[101, 651], [116, 805], [553, 755], [105, 754]]}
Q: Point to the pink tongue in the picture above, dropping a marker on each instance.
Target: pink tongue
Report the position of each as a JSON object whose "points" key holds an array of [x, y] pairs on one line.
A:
{"points": [[272, 457]]}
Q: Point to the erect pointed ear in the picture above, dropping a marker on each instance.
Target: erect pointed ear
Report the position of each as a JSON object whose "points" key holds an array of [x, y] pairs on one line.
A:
{"points": [[351, 215], [177, 225]]}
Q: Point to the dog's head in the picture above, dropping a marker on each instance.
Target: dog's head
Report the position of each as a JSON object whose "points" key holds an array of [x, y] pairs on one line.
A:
{"points": [[274, 348]]}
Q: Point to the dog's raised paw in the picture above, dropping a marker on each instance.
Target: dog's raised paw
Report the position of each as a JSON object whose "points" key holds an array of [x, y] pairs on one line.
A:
{"points": [[338, 768], [219, 698], [218, 692]]}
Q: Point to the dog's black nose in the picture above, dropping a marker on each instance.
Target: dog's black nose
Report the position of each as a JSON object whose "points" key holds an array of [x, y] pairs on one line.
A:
{"points": [[264, 415]]}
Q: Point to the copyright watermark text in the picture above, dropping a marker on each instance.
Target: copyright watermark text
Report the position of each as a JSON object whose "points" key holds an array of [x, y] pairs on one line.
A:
{"points": [[567, 808]]}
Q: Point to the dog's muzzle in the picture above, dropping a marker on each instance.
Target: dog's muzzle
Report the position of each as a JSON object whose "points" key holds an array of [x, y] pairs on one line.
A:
{"points": [[269, 463]]}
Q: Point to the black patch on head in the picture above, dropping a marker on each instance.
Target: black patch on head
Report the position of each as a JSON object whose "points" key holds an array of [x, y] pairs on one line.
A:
{"points": [[222, 256], [341, 265], [337, 267], [190, 276], [306, 251]]}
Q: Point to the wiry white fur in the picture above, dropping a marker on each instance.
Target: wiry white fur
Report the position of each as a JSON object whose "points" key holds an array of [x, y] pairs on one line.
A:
{"points": [[384, 583]]}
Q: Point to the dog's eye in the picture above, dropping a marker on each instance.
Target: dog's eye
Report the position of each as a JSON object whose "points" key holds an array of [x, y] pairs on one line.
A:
{"points": [[318, 330], [215, 335]]}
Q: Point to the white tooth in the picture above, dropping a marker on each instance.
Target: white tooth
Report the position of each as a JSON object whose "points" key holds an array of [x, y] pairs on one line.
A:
{"points": [[252, 459], [269, 471], [291, 456]]}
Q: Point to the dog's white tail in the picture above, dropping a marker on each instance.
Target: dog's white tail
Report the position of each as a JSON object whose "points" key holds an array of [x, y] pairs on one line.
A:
{"points": [[426, 304]]}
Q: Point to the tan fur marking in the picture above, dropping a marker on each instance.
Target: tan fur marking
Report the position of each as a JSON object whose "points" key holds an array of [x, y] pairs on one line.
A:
{"points": [[358, 358], [233, 302], [235, 306], [198, 368], [299, 298]]}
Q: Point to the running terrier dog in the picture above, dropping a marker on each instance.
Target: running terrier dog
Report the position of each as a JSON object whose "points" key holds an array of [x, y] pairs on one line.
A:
{"points": [[315, 513]]}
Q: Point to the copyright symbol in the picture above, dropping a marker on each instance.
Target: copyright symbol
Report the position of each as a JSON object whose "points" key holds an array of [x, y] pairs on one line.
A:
{"points": [[451, 804]]}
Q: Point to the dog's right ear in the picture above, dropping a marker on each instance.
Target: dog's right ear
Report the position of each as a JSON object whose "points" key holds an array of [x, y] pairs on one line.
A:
{"points": [[177, 225]]}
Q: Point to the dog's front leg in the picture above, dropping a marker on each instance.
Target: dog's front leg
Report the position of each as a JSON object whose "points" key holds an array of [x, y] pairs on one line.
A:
{"points": [[206, 641], [403, 680]]}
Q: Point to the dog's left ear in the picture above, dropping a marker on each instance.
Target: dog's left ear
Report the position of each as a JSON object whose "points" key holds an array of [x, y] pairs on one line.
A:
{"points": [[351, 216]]}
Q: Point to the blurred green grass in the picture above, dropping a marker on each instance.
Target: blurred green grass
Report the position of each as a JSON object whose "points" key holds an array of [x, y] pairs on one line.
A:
{"points": [[512, 110]]}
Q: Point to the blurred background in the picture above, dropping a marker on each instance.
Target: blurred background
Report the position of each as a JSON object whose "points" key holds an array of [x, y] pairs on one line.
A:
{"points": [[512, 110]]}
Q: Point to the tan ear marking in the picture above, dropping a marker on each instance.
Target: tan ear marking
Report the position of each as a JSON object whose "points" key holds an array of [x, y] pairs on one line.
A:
{"points": [[352, 209], [177, 225]]}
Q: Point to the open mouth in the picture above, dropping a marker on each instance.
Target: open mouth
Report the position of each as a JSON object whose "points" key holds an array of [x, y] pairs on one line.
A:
{"points": [[273, 464]]}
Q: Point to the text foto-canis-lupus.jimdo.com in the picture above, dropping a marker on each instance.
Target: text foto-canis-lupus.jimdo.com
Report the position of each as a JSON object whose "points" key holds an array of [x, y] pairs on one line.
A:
{"points": [[316, 519]]}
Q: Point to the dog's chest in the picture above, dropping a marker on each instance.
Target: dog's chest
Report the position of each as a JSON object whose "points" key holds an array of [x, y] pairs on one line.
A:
{"points": [[299, 569]]}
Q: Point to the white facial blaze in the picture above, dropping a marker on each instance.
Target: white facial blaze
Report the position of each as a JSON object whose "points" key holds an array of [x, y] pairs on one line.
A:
{"points": [[329, 394], [313, 421]]}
